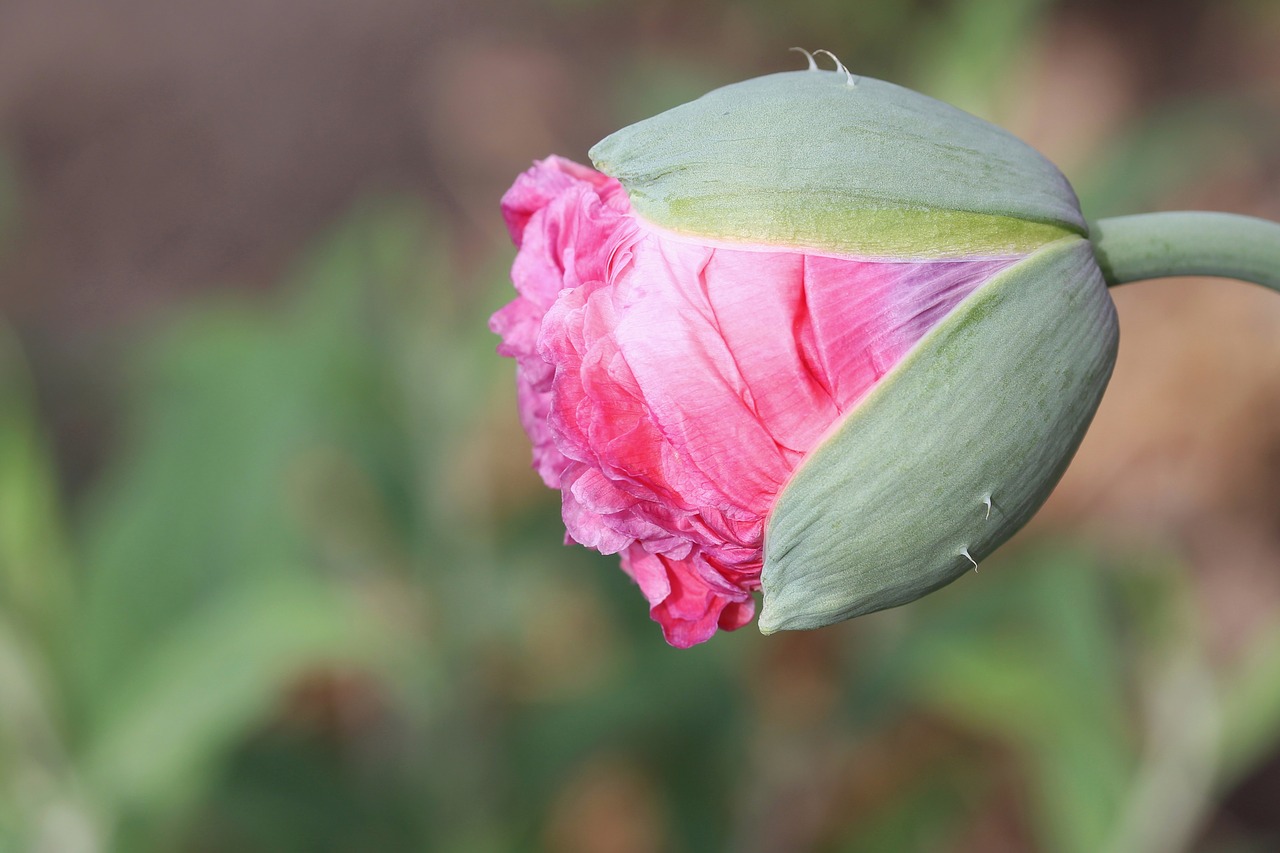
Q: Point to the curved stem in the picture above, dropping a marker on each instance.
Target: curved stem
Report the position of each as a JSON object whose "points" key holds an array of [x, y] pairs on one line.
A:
{"points": [[1156, 245]]}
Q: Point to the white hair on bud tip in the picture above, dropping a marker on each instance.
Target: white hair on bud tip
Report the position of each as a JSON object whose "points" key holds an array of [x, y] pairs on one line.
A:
{"points": [[986, 499], [849, 79], [813, 64], [834, 58], [965, 553]]}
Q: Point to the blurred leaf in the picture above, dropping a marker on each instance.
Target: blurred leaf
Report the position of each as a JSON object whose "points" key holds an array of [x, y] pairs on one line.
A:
{"points": [[919, 819], [1251, 708], [1036, 664], [212, 679], [964, 55], [216, 576], [233, 406], [36, 585], [42, 804], [1161, 153]]}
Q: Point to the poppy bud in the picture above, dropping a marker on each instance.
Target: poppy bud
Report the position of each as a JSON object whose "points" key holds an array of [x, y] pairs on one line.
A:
{"points": [[809, 333]]}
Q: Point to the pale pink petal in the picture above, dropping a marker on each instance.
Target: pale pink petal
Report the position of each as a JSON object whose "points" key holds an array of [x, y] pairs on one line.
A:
{"points": [[667, 333]]}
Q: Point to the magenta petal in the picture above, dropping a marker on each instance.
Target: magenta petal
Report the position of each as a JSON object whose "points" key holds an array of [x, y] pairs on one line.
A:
{"points": [[687, 609]]}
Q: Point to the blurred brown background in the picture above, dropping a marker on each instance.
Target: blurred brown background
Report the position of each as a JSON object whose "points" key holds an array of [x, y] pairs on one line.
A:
{"points": [[165, 157]]}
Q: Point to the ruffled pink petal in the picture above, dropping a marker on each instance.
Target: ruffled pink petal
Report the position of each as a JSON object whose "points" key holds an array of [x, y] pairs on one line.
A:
{"points": [[587, 523], [670, 388], [688, 610], [563, 217], [538, 187], [534, 405]]}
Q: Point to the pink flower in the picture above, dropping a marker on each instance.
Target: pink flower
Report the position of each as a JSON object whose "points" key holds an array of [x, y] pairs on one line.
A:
{"points": [[671, 385], [823, 337]]}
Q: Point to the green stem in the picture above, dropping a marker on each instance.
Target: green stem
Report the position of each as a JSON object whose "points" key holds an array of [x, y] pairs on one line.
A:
{"points": [[1157, 245]]}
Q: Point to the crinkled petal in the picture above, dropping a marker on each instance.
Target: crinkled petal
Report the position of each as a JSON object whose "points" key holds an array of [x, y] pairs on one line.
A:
{"points": [[538, 187], [688, 610]]}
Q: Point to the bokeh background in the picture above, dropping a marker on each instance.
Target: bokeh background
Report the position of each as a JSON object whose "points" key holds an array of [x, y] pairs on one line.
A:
{"points": [[275, 574]]}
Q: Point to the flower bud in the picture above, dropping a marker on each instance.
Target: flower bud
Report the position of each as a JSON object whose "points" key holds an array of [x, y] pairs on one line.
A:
{"points": [[825, 337]]}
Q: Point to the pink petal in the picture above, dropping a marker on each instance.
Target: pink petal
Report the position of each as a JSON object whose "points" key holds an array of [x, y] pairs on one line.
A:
{"points": [[686, 608], [541, 185], [670, 387], [719, 452], [864, 317]]}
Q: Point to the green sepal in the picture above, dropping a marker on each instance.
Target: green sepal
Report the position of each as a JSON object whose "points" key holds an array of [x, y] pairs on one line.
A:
{"points": [[989, 406], [804, 159]]}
